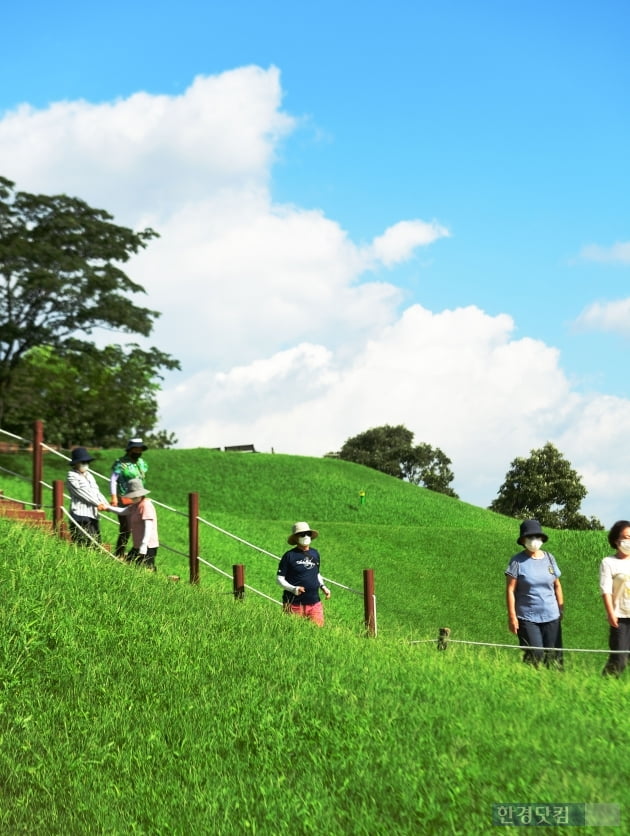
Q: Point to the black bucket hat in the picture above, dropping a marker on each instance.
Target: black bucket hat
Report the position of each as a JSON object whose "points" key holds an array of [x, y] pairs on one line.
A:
{"points": [[531, 528], [80, 454], [136, 442]]}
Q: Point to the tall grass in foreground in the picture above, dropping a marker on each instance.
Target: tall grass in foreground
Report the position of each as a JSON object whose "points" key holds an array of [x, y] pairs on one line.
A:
{"points": [[134, 705]]}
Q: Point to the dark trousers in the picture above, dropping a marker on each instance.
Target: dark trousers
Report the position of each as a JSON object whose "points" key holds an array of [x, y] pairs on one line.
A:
{"points": [[89, 524], [618, 639], [547, 634], [147, 561], [124, 532]]}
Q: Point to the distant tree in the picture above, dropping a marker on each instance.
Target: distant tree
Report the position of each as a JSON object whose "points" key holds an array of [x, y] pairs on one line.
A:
{"points": [[430, 467], [390, 449], [544, 487], [85, 395], [60, 276]]}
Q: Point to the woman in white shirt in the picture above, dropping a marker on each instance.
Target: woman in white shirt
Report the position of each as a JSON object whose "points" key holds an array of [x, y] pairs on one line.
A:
{"points": [[85, 499], [614, 584]]}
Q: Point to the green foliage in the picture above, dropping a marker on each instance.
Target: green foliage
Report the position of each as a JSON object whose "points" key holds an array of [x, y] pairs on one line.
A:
{"points": [[95, 397], [545, 487], [60, 275], [389, 449]]}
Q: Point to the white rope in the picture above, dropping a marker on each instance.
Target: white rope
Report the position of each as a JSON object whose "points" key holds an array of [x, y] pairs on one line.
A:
{"points": [[226, 575], [263, 551], [56, 452], [4, 497], [93, 540], [6, 432], [516, 646]]}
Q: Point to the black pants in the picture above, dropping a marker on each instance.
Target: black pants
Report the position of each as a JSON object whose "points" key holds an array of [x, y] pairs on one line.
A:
{"points": [[89, 524], [618, 639], [147, 561], [124, 533], [547, 634]]}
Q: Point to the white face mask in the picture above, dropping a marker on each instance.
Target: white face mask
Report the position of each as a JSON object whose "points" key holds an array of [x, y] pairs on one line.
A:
{"points": [[532, 544], [305, 540], [83, 467], [624, 546]]}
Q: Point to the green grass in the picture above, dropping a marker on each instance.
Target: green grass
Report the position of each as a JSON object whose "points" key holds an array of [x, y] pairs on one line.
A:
{"points": [[132, 704]]}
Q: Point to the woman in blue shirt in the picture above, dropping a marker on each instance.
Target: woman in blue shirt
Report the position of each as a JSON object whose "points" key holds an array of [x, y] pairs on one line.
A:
{"points": [[534, 597]]}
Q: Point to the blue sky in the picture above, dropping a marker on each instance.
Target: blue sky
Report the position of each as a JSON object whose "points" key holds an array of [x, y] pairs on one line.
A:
{"points": [[491, 137]]}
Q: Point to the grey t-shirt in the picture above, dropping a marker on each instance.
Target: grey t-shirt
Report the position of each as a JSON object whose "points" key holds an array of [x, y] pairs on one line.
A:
{"points": [[535, 597]]}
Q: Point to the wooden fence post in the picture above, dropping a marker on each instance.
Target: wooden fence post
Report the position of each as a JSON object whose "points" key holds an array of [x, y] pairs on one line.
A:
{"points": [[369, 602], [57, 512], [193, 536], [238, 571], [38, 440]]}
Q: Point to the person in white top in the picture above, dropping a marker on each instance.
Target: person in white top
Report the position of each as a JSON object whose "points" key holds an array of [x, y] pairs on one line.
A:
{"points": [[85, 499], [614, 584]]}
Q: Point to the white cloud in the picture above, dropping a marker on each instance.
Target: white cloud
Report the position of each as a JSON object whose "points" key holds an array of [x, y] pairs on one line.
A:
{"points": [[606, 316], [148, 154], [619, 252], [399, 241], [287, 339], [456, 379]]}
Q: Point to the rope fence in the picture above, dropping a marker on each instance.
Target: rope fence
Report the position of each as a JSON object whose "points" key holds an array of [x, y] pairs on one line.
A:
{"points": [[443, 640]]}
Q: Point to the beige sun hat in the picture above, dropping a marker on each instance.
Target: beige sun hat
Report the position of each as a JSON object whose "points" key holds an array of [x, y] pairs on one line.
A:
{"points": [[301, 528]]}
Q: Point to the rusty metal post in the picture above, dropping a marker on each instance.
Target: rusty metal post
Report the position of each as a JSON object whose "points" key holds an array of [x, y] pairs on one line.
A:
{"points": [[57, 512], [38, 462], [442, 641], [369, 602], [238, 570], [193, 536]]}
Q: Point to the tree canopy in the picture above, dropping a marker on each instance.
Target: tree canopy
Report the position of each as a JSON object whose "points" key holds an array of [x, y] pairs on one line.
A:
{"points": [[60, 278], [390, 449], [98, 397], [544, 487]]}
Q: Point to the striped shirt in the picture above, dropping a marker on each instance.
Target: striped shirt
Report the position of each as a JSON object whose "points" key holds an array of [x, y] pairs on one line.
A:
{"points": [[84, 494]]}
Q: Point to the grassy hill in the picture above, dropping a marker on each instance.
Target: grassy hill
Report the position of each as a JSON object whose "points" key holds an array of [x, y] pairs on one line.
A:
{"points": [[135, 705]]}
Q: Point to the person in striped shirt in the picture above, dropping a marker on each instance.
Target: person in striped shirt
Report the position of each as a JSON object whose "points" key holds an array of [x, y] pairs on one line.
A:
{"points": [[86, 500]]}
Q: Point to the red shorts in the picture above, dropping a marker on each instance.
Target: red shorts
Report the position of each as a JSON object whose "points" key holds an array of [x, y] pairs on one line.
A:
{"points": [[314, 612]]}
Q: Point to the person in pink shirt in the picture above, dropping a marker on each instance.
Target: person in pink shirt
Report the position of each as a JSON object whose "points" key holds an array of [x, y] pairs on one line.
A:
{"points": [[143, 524]]}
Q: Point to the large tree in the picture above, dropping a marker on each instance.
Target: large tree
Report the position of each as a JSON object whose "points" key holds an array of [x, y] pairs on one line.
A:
{"points": [[390, 450], [61, 276], [90, 396], [544, 487]]}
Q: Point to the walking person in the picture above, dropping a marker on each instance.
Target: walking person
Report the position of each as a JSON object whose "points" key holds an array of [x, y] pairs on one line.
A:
{"points": [[142, 518], [614, 584], [86, 500], [534, 598], [129, 466], [299, 576]]}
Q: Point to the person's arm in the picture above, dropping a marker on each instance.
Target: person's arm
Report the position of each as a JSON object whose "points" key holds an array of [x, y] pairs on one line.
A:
{"points": [[610, 610], [149, 530], [113, 489], [510, 600], [557, 588], [322, 586], [284, 583], [606, 588], [119, 509]]}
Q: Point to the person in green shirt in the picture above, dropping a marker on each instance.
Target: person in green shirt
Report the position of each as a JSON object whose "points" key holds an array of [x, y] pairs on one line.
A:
{"points": [[127, 467]]}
